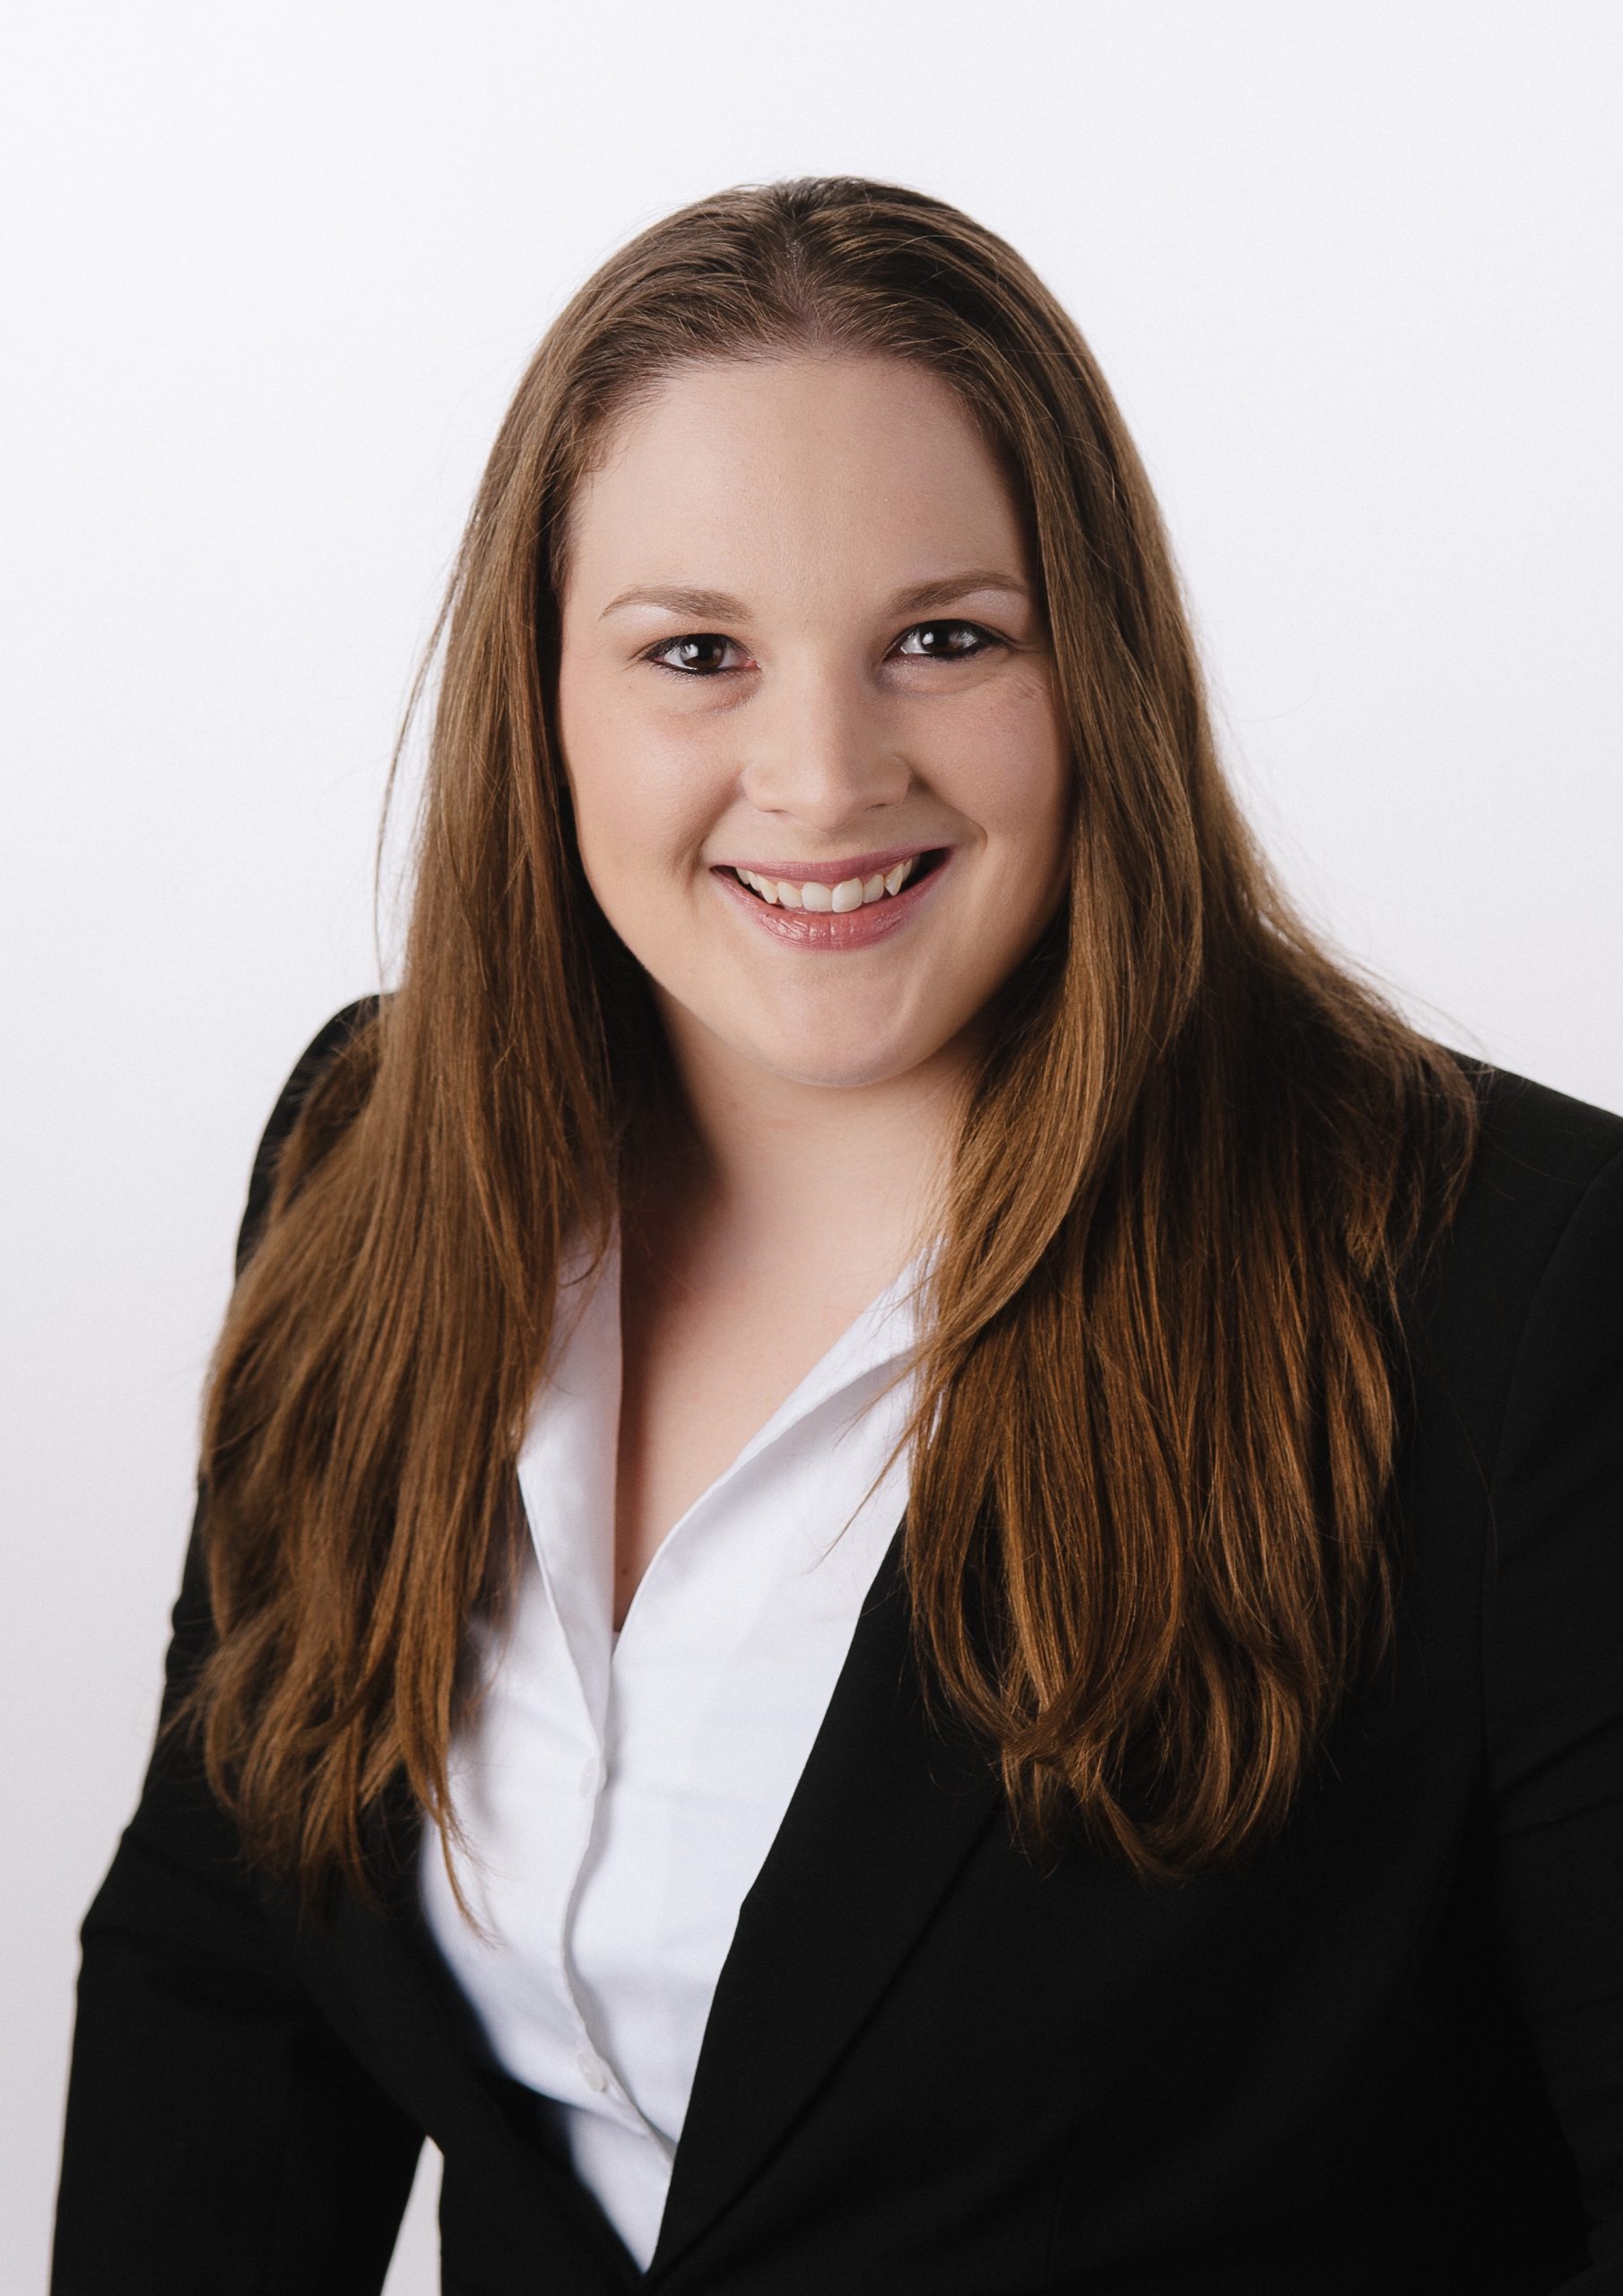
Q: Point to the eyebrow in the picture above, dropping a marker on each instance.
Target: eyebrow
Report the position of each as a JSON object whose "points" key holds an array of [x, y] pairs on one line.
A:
{"points": [[677, 599]]}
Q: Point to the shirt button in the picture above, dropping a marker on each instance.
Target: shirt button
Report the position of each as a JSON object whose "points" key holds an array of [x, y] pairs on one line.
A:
{"points": [[592, 2072], [588, 1775]]}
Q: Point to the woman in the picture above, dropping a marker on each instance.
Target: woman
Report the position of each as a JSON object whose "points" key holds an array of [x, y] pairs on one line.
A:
{"points": [[892, 1488]]}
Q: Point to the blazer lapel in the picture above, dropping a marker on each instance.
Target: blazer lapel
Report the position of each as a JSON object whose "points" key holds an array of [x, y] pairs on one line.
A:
{"points": [[886, 1812], [380, 1979]]}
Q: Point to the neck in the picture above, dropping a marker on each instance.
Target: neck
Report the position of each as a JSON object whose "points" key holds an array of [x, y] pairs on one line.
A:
{"points": [[821, 1185]]}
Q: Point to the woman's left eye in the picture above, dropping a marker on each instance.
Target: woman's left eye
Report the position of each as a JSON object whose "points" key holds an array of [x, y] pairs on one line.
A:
{"points": [[939, 635]]}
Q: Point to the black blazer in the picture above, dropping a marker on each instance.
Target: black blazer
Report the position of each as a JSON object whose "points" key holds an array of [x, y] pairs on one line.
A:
{"points": [[1387, 2055]]}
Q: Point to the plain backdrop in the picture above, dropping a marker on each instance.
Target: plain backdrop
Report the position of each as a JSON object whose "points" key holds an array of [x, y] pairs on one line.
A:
{"points": [[270, 274]]}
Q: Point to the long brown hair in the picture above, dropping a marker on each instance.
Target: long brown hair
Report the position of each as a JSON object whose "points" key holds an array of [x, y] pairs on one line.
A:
{"points": [[1147, 1546]]}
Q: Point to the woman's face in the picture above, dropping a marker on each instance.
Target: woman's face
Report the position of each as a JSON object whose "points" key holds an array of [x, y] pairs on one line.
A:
{"points": [[798, 641]]}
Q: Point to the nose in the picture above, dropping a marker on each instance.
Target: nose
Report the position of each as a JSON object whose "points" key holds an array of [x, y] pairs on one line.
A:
{"points": [[820, 752]]}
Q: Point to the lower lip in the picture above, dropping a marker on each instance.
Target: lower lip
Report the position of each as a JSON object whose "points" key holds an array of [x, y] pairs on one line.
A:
{"points": [[858, 929]]}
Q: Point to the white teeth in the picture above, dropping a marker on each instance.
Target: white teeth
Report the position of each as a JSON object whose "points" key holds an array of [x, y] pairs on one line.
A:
{"points": [[851, 892]]}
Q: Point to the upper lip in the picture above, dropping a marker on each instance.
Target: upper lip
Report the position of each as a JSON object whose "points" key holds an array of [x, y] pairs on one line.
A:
{"points": [[832, 873]]}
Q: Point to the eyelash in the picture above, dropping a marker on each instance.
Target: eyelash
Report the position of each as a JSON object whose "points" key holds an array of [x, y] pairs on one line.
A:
{"points": [[988, 640]]}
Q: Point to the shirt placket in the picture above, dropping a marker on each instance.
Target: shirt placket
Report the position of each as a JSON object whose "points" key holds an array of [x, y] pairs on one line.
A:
{"points": [[568, 1493]]}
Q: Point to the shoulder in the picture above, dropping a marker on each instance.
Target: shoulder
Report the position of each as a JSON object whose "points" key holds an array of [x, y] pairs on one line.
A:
{"points": [[1537, 1144], [1516, 1323], [312, 1064], [1543, 1161]]}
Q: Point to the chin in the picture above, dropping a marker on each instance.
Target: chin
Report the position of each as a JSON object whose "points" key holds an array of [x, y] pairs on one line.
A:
{"points": [[836, 1068]]}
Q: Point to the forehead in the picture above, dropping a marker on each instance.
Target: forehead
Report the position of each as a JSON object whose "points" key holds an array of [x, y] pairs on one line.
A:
{"points": [[752, 474]]}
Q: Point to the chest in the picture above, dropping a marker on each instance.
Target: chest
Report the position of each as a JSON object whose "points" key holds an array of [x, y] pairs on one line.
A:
{"points": [[704, 1365]]}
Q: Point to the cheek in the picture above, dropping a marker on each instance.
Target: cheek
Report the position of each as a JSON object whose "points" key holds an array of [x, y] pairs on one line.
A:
{"points": [[640, 796], [1010, 772]]}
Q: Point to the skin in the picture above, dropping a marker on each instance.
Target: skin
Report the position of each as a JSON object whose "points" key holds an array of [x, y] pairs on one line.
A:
{"points": [[815, 723]]}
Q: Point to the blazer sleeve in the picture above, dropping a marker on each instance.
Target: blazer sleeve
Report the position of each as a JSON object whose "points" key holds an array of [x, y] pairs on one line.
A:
{"points": [[219, 2136], [1554, 1623]]}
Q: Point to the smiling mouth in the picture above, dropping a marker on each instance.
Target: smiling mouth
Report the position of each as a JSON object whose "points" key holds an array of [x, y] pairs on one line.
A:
{"points": [[849, 893]]}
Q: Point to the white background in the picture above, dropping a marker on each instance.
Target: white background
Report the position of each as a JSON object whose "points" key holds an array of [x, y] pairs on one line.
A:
{"points": [[271, 274]]}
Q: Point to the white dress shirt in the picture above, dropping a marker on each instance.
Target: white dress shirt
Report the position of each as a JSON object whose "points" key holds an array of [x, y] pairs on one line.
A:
{"points": [[619, 1792]]}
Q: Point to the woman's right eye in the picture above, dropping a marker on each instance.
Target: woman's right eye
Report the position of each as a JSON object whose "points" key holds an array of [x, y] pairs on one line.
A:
{"points": [[691, 651]]}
